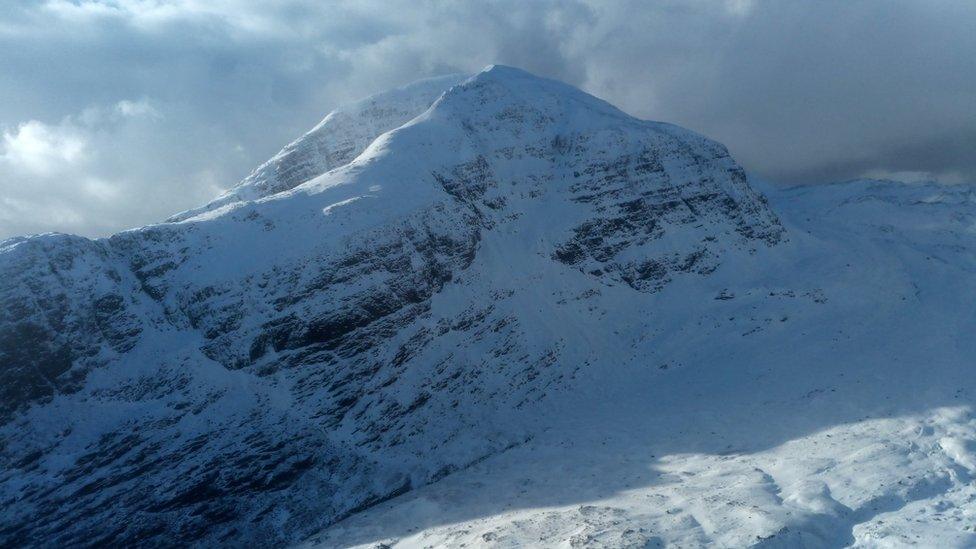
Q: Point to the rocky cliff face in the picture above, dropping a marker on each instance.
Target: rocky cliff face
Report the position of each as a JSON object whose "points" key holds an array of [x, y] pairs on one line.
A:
{"points": [[364, 314]]}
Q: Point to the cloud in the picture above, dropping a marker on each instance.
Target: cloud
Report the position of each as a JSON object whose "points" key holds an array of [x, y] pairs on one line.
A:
{"points": [[93, 172], [166, 102], [37, 148], [135, 109]]}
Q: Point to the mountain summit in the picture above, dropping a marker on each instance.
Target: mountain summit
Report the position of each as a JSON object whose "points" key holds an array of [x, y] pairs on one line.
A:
{"points": [[429, 280]]}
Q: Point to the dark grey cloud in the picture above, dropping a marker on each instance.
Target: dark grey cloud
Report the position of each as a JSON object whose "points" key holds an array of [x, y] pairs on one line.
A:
{"points": [[118, 113]]}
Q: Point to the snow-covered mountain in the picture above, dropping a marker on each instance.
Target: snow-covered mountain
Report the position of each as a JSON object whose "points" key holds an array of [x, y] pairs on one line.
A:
{"points": [[532, 317], [339, 138]]}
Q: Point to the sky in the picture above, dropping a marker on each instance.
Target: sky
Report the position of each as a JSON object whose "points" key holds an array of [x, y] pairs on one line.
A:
{"points": [[119, 113]]}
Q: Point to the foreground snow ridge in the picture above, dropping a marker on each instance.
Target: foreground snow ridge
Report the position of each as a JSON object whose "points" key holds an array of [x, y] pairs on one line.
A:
{"points": [[493, 310]]}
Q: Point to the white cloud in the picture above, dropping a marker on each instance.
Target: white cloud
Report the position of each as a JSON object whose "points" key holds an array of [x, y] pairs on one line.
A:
{"points": [[100, 189], [739, 7], [141, 108], [36, 148], [94, 172]]}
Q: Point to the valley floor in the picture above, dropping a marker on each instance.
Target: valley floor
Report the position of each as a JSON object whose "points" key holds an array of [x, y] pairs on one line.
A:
{"points": [[888, 482]]}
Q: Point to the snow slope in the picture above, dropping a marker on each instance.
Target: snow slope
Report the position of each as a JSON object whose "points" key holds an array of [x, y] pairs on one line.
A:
{"points": [[521, 316], [825, 400], [335, 141]]}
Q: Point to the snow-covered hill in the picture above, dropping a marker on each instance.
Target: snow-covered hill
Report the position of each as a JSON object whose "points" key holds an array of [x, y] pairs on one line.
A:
{"points": [[532, 317]]}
